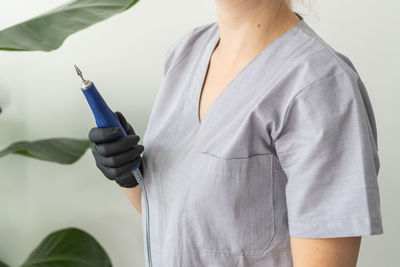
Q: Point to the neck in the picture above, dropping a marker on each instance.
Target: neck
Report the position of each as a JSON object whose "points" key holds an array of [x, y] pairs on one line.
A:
{"points": [[246, 27]]}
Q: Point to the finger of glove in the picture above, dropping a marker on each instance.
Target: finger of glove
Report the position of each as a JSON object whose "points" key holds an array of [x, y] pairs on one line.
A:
{"points": [[103, 135], [118, 146], [119, 159], [116, 172], [127, 179], [127, 127], [104, 170]]}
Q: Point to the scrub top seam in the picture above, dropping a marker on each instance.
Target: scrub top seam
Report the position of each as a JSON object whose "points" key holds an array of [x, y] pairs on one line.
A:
{"points": [[301, 91], [322, 43]]}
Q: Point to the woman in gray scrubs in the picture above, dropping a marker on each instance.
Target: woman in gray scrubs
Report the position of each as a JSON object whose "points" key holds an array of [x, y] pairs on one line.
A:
{"points": [[261, 148]]}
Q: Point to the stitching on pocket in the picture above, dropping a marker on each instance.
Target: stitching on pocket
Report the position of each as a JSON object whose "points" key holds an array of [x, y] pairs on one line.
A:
{"points": [[250, 156], [273, 206]]}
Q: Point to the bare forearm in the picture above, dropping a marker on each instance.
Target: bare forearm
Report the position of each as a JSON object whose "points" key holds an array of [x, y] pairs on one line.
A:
{"points": [[134, 195], [327, 252]]}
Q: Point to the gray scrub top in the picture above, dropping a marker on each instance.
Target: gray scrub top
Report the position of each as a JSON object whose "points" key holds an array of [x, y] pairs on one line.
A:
{"points": [[288, 148]]}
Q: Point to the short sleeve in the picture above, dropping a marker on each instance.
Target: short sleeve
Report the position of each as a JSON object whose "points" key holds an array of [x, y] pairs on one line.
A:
{"points": [[328, 150]]}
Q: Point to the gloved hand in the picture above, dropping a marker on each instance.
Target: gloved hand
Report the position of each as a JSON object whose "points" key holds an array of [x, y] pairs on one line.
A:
{"points": [[116, 156]]}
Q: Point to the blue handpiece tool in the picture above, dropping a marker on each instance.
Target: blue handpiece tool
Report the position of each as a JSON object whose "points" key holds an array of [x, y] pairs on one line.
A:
{"points": [[105, 117]]}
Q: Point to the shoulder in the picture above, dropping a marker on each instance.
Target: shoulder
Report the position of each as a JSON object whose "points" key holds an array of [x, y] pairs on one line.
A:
{"points": [[314, 60], [320, 81], [188, 43], [193, 36]]}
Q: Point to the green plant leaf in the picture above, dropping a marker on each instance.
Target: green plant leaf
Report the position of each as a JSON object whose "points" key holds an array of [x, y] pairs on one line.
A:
{"points": [[70, 247], [2, 264], [49, 30], [60, 150]]}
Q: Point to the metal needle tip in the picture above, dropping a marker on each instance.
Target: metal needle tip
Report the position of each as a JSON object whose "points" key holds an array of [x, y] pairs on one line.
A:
{"points": [[79, 72]]}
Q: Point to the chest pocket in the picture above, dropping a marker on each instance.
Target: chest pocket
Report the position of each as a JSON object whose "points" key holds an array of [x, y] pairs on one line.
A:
{"points": [[230, 204]]}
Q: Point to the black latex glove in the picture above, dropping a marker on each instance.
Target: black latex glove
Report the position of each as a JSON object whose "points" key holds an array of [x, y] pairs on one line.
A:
{"points": [[116, 156]]}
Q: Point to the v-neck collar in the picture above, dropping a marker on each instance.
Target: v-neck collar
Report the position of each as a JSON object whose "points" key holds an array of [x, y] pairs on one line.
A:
{"points": [[205, 63]]}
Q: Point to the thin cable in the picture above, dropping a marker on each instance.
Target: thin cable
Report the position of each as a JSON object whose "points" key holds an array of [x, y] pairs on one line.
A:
{"points": [[139, 179]]}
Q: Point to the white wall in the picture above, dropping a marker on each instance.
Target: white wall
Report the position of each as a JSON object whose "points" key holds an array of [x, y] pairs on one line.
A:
{"points": [[124, 55]]}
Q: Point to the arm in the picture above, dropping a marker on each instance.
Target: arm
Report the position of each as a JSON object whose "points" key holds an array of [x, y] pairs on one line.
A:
{"points": [[327, 252], [134, 195], [329, 153], [115, 156]]}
